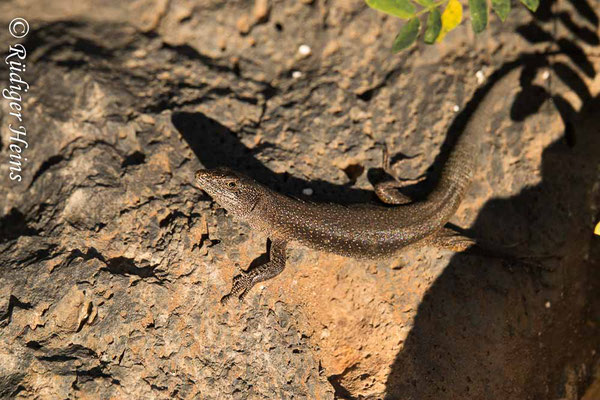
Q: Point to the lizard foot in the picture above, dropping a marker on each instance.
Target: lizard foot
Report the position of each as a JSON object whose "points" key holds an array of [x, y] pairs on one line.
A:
{"points": [[450, 239], [246, 280], [241, 284]]}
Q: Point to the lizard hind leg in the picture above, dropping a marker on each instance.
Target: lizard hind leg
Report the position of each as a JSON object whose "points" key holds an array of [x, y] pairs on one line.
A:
{"points": [[387, 191], [453, 240], [450, 239], [260, 273]]}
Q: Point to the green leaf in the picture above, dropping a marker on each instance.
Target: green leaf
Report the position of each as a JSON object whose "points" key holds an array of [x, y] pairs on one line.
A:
{"points": [[451, 18], [502, 8], [407, 35], [531, 4], [479, 14], [425, 3], [434, 25], [400, 8]]}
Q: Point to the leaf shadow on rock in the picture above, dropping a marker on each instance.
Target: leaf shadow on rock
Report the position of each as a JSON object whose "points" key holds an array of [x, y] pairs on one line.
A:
{"points": [[486, 329], [581, 26]]}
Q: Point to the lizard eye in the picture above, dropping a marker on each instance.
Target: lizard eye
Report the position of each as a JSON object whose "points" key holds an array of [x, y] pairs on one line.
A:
{"points": [[231, 184]]}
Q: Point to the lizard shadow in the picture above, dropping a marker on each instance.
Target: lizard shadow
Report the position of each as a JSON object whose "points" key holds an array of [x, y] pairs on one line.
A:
{"points": [[217, 146], [485, 328]]}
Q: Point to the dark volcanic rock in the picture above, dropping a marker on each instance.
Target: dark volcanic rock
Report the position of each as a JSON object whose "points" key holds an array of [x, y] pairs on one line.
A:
{"points": [[112, 263]]}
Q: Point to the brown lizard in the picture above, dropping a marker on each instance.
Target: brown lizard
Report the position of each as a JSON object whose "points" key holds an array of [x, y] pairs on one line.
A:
{"points": [[368, 231]]}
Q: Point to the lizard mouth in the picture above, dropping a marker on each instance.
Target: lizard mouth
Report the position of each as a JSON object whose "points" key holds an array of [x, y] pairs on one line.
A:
{"points": [[213, 183], [203, 179], [201, 175]]}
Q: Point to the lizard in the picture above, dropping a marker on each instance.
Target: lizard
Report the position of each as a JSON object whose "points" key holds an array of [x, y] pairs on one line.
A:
{"points": [[365, 231]]}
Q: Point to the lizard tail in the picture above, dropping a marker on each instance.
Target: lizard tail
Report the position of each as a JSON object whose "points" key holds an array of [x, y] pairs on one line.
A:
{"points": [[463, 160]]}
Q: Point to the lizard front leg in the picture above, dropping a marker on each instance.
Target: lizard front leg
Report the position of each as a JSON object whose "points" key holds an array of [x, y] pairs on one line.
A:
{"points": [[246, 280]]}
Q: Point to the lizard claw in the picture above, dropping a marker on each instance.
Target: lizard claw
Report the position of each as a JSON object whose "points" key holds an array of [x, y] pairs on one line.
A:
{"points": [[226, 299], [240, 287]]}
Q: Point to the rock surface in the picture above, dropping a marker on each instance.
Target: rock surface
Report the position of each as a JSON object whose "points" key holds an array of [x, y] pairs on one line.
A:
{"points": [[112, 263]]}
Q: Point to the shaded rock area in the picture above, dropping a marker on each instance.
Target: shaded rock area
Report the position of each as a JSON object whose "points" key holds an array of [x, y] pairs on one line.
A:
{"points": [[112, 263]]}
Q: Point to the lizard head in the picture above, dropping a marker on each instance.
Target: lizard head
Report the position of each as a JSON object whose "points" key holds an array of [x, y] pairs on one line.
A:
{"points": [[235, 192]]}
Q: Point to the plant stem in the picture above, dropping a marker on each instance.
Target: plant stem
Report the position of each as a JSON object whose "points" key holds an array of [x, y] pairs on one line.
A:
{"points": [[430, 8]]}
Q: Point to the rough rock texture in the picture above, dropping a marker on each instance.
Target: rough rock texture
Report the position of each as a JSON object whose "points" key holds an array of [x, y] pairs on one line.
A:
{"points": [[112, 262]]}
